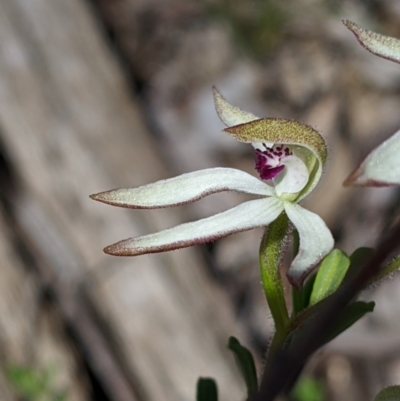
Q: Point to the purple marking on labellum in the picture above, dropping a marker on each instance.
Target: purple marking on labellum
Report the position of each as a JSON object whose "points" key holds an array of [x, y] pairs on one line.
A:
{"points": [[269, 161]]}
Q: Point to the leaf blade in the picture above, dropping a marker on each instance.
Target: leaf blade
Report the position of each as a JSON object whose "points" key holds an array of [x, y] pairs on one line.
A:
{"points": [[330, 275], [206, 389], [246, 365]]}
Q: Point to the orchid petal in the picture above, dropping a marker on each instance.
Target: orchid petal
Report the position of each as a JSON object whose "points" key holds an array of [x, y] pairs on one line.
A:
{"points": [[248, 215], [316, 242], [293, 178], [230, 115], [185, 188], [380, 45], [287, 132], [381, 168]]}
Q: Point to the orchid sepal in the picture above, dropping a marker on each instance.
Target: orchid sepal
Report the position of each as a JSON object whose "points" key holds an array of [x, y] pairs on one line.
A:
{"points": [[246, 216], [383, 46], [185, 188], [381, 168], [230, 115], [191, 187]]}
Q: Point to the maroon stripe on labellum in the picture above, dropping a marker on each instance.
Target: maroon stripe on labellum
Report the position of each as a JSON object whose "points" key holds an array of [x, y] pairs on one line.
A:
{"points": [[268, 161], [268, 173]]}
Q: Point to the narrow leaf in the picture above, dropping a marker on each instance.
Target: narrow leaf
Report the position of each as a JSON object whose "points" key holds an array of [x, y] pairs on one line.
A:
{"points": [[357, 260], [245, 361], [206, 389], [360, 256], [301, 298], [349, 315], [330, 275]]}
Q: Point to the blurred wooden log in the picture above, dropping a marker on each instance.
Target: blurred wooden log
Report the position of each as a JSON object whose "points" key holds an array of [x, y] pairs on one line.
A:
{"points": [[31, 334], [71, 128]]}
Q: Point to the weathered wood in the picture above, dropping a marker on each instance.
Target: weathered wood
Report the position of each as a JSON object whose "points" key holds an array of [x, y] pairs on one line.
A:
{"points": [[72, 128], [31, 334]]}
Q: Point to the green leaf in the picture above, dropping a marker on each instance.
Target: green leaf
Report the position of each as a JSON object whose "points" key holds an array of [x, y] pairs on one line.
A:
{"points": [[245, 361], [206, 389], [357, 260], [349, 315], [391, 393], [301, 298], [330, 275], [360, 256]]}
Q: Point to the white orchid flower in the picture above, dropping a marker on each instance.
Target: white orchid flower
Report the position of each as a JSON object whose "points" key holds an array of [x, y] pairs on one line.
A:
{"points": [[288, 153], [381, 168]]}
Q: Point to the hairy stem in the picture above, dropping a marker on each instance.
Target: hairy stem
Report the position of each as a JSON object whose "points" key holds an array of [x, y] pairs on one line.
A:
{"points": [[287, 362], [271, 252]]}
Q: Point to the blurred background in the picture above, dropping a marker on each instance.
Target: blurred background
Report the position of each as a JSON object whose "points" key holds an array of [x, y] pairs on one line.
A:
{"points": [[99, 94]]}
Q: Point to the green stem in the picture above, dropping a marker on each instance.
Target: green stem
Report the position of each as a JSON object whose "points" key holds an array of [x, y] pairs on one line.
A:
{"points": [[271, 250], [277, 342]]}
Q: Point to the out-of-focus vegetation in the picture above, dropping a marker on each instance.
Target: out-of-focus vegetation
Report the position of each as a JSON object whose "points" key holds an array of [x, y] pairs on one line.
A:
{"points": [[255, 25], [34, 385], [308, 389]]}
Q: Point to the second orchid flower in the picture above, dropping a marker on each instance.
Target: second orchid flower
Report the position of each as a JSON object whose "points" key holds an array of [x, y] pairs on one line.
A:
{"points": [[381, 168]]}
